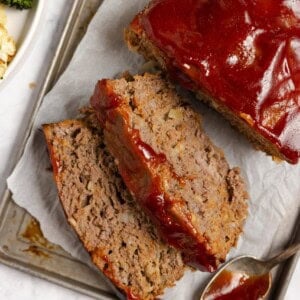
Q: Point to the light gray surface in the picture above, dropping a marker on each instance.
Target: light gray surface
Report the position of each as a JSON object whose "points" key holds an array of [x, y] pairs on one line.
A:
{"points": [[273, 187]]}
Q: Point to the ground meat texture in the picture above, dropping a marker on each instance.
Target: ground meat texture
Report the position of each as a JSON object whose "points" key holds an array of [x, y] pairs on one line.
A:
{"points": [[121, 239], [171, 167]]}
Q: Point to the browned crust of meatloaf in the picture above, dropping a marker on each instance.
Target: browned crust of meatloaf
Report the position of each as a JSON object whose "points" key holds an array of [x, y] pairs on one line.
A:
{"points": [[138, 41], [203, 197], [120, 239]]}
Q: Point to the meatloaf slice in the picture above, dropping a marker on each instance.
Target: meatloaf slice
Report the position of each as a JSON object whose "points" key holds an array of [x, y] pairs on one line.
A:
{"points": [[171, 167], [241, 57], [121, 240]]}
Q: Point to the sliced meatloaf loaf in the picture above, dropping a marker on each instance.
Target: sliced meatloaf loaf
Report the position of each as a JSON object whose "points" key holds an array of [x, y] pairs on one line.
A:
{"points": [[122, 242], [171, 167], [242, 57]]}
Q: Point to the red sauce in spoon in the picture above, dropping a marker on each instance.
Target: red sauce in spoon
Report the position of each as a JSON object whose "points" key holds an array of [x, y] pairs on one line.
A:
{"points": [[238, 286], [245, 54]]}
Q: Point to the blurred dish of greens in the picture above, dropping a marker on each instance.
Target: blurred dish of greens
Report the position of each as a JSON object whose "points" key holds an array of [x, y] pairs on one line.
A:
{"points": [[19, 4]]}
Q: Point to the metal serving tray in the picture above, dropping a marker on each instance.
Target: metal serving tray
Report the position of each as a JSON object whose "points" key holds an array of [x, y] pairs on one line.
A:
{"points": [[22, 245]]}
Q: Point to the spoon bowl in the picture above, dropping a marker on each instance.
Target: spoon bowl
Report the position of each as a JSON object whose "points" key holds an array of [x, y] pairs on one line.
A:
{"points": [[246, 273]]}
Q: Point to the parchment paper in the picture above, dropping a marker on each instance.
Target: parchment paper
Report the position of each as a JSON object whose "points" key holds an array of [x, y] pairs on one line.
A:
{"points": [[274, 188]]}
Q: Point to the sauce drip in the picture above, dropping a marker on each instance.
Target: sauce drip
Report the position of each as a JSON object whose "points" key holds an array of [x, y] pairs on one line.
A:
{"points": [[244, 54], [238, 286]]}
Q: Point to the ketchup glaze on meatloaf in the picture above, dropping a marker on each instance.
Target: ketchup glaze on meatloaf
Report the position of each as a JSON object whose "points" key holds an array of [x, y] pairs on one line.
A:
{"points": [[244, 54]]}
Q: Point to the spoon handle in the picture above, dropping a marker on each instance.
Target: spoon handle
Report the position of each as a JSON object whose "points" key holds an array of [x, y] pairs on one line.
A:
{"points": [[282, 256]]}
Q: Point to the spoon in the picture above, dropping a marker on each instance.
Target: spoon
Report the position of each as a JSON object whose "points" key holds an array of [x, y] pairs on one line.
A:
{"points": [[245, 276]]}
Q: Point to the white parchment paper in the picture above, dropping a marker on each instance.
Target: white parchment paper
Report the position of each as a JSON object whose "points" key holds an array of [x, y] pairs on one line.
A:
{"points": [[274, 188]]}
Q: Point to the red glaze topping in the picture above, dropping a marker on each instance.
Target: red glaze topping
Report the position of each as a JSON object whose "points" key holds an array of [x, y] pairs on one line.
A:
{"points": [[138, 165], [131, 296], [238, 286], [56, 164], [244, 53], [103, 100]]}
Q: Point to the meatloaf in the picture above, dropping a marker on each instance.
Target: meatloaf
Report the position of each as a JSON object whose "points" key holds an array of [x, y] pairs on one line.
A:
{"points": [[242, 57], [122, 242], [171, 167]]}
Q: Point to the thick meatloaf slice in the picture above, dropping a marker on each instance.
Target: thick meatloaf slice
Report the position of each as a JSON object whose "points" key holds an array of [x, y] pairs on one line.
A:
{"points": [[171, 167], [121, 240], [239, 56]]}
